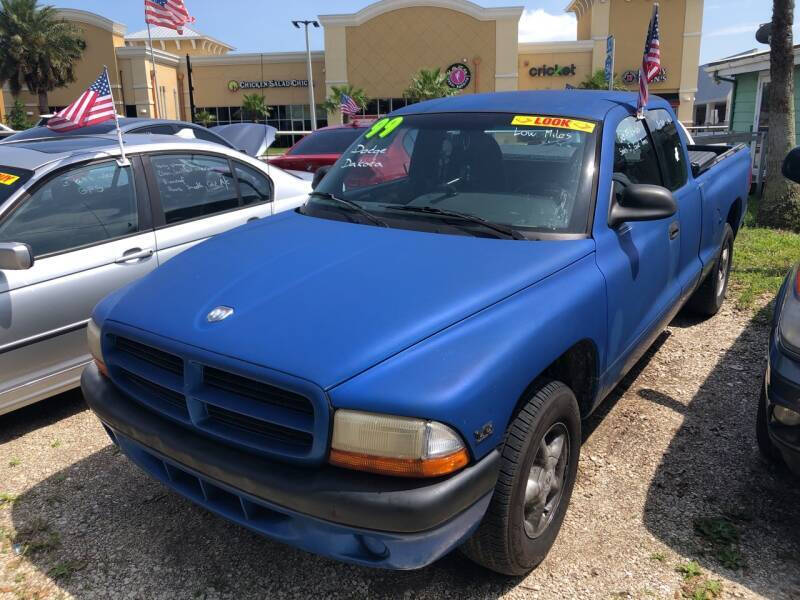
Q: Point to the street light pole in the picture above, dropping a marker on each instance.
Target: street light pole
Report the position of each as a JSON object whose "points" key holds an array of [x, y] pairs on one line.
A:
{"points": [[313, 105]]}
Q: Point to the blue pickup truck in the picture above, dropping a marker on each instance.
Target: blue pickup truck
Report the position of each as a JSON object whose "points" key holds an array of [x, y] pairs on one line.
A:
{"points": [[402, 366]]}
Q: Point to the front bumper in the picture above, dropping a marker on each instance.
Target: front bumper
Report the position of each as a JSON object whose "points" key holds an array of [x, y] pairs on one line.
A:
{"points": [[350, 516], [782, 386]]}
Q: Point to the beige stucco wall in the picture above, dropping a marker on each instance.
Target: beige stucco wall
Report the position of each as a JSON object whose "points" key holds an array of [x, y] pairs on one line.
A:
{"points": [[211, 82], [581, 60], [585, 25], [184, 47], [629, 21], [385, 52]]}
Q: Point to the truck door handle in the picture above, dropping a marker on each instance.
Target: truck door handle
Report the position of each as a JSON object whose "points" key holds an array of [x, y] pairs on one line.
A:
{"points": [[134, 254], [251, 219], [674, 230]]}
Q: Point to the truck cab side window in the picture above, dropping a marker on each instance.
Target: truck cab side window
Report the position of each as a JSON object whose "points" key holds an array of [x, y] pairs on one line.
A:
{"points": [[668, 141], [635, 158]]}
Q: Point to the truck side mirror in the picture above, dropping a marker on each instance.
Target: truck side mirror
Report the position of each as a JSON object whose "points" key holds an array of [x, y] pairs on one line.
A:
{"points": [[791, 165], [15, 256], [321, 172], [641, 202]]}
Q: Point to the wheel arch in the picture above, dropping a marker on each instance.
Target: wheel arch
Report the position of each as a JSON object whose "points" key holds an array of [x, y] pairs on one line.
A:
{"points": [[735, 215], [578, 368]]}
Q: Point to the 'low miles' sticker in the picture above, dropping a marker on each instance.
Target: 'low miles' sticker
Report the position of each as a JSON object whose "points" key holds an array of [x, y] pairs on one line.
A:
{"points": [[559, 122], [7, 179]]}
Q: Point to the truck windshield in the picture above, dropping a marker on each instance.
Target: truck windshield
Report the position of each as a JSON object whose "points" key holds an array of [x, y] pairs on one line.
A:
{"points": [[527, 172]]}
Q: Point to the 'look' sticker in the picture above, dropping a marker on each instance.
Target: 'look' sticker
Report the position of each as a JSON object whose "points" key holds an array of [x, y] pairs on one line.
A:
{"points": [[7, 179], [560, 122]]}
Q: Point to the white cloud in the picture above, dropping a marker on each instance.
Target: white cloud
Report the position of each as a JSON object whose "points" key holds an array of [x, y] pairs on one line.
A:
{"points": [[536, 25], [734, 30]]}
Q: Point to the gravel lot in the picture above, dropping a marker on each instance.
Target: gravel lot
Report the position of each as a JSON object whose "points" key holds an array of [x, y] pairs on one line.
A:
{"points": [[669, 473]]}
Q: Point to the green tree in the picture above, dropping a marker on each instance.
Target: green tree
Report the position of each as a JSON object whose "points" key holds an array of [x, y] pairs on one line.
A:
{"points": [[598, 81], [38, 49], [427, 84], [334, 100], [780, 206], [204, 117], [17, 118], [255, 107]]}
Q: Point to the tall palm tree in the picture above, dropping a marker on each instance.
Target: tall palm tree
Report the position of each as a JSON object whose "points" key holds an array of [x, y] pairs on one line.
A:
{"points": [[427, 84], [255, 107], [780, 206], [38, 49], [334, 100]]}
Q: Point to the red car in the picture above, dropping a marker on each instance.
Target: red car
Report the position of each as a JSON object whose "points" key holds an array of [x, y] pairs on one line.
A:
{"points": [[320, 148]]}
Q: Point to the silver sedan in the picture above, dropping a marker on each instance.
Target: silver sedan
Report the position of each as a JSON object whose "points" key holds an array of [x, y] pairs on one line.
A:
{"points": [[76, 223]]}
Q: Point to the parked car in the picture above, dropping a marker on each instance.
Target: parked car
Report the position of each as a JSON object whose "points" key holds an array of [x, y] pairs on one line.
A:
{"points": [[5, 131], [74, 226], [402, 365], [130, 125], [318, 149], [778, 417]]}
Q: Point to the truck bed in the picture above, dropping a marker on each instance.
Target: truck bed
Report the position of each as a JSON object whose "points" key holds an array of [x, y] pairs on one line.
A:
{"points": [[704, 156]]}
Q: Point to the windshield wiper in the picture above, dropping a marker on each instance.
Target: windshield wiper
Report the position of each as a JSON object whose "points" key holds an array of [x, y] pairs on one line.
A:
{"points": [[504, 229], [353, 205]]}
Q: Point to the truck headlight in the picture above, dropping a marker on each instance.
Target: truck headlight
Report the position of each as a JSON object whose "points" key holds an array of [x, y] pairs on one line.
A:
{"points": [[93, 337], [392, 445]]}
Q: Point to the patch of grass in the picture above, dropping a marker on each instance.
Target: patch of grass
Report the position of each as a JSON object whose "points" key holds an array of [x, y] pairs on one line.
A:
{"points": [[762, 257], [276, 151], [66, 569], [14, 462], [55, 444], [701, 588], [721, 538], [689, 569], [659, 556], [6, 498]]}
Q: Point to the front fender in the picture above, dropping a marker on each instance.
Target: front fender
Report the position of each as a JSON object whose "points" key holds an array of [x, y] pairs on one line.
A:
{"points": [[475, 371]]}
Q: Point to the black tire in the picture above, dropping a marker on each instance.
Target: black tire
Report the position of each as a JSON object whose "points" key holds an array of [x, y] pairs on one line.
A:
{"points": [[765, 445], [506, 540], [709, 297]]}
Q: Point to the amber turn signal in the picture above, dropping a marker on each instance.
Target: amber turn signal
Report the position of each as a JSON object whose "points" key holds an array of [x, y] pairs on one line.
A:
{"points": [[401, 467]]}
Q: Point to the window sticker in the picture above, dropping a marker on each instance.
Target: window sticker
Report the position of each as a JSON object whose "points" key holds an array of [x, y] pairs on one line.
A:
{"points": [[7, 179], [383, 127], [560, 122]]}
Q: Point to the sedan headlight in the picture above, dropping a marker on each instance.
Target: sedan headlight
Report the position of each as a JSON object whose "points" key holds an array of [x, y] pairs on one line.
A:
{"points": [[93, 337], [789, 319], [392, 445], [786, 416]]}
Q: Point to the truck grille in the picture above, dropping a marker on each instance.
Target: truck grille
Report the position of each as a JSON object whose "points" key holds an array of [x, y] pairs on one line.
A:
{"points": [[233, 407]]}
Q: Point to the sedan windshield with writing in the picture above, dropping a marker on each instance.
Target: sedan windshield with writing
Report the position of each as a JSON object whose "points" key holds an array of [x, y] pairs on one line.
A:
{"points": [[528, 172]]}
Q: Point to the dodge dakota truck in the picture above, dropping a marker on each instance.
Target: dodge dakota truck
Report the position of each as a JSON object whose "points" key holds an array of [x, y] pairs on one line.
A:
{"points": [[402, 365]]}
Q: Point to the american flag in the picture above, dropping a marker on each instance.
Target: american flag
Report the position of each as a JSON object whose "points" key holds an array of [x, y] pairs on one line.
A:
{"points": [[651, 61], [167, 13], [348, 106], [94, 106]]}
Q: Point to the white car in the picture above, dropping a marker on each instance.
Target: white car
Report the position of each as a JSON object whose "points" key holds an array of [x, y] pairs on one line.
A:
{"points": [[75, 225]]}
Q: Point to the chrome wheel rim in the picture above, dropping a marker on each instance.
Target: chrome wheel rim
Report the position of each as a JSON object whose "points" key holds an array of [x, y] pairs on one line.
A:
{"points": [[546, 480], [722, 270]]}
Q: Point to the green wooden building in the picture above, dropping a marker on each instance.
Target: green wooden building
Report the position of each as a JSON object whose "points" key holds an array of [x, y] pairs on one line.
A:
{"points": [[749, 73]]}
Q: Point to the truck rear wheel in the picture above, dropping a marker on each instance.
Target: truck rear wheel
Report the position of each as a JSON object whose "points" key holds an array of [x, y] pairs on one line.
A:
{"points": [[708, 298], [537, 473]]}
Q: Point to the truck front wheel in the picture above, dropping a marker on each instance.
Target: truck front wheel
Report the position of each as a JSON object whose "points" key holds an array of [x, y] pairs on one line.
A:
{"points": [[537, 473]]}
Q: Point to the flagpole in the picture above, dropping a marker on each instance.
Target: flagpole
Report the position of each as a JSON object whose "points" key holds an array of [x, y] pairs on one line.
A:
{"points": [[123, 160], [153, 77]]}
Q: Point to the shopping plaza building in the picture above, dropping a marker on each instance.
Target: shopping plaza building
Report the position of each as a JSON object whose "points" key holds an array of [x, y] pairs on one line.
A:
{"points": [[378, 49]]}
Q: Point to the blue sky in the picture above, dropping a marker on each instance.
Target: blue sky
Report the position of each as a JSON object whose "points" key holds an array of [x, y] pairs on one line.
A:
{"points": [[264, 25]]}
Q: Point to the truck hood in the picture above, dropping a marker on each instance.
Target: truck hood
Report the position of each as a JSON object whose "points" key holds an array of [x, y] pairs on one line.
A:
{"points": [[325, 300]]}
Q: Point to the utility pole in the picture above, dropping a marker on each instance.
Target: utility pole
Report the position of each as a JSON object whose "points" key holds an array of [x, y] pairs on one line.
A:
{"points": [[313, 105]]}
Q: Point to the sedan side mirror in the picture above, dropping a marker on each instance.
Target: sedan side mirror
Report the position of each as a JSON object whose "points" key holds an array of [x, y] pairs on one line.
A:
{"points": [[641, 202], [791, 165], [321, 172], [15, 256]]}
